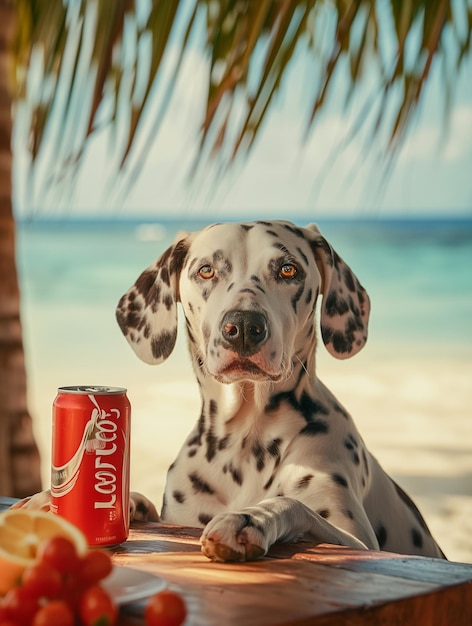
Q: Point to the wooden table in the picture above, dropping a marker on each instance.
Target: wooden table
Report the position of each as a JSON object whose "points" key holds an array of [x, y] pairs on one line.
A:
{"points": [[303, 584], [300, 584]]}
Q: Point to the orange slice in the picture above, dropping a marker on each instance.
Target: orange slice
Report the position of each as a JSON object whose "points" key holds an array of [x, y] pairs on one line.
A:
{"points": [[22, 531]]}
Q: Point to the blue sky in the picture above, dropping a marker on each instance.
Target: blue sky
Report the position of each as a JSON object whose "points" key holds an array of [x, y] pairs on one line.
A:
{"points": [[287, 173]]}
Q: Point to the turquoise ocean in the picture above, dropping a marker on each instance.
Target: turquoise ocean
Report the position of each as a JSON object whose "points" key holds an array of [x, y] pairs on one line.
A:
{"points": [[418, 273]]}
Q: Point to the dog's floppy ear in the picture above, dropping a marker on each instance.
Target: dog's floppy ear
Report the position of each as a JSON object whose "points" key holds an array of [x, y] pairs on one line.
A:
{"points": [[147, 313], [346, 306]]}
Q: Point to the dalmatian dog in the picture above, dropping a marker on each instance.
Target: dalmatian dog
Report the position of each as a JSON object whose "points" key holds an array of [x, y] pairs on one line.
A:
{"points": [[274, 456]]}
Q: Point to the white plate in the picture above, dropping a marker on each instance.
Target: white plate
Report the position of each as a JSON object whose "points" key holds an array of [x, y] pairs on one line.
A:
{"points": [[126, 584]]}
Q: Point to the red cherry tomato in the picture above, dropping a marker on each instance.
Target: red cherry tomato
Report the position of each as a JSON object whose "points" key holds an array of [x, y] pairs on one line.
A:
{"points": [[72, 590], [96, 608], [42, 581], [55, 613], [94, 566], [20, 606], [166, 608], [60, 553]]}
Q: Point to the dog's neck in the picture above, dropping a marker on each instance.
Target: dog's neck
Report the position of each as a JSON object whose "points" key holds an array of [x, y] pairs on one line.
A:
{"points": [[246, 399]]}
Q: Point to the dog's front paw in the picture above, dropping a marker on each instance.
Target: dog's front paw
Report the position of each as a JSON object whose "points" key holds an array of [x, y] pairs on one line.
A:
{"points": [[233, 537], [141, 509], [41, 500]]}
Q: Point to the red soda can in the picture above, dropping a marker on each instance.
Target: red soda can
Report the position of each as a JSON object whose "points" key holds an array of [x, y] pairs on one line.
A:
{"points": [[90, 461]]}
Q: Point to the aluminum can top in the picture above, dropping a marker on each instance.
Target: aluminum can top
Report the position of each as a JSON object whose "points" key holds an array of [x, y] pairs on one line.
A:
{"points": [[93, 389]]}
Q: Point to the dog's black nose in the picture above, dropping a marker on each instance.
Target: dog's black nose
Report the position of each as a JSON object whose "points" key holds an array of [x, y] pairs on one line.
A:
{"points": [[244, 331]]}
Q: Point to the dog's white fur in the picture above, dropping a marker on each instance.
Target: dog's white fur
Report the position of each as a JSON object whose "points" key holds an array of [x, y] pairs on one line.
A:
{"points": [[273, 456]]}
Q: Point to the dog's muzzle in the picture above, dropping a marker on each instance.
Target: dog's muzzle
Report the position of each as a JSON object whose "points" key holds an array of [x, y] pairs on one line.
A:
{"points": [[244, 331]]}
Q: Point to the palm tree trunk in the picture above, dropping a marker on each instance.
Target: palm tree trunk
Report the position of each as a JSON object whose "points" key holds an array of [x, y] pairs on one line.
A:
{"points": [[19, 456]]}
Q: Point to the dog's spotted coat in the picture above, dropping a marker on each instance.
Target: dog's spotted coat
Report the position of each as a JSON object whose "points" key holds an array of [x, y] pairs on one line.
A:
{"points": [[273, 455]]}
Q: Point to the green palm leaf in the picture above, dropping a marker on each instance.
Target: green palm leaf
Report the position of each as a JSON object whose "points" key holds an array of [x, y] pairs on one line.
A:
{"points": [[108, 58]]}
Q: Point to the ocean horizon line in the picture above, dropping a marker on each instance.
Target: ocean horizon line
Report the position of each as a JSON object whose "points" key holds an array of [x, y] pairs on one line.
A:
{"points": [[419, 219]]}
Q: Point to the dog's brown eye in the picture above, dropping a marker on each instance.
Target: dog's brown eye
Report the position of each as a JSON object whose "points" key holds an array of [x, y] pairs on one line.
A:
{"points": [[288, 271], [206, 272]]}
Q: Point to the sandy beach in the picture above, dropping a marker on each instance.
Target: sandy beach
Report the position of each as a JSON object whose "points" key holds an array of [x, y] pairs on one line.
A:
{"points": [[414, 414]]}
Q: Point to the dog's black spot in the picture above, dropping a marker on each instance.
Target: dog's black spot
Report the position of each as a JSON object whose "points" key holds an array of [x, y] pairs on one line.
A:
{"points": [[274, 450], [348, 513], [146, 283], [211, 439], [324, 513], [257, 283], [178, 496], [168, 301], [223, 442], [178, 257], [411, 505], [248, 290], [303, 482], [164, 276], [272, 233], [190, 335], [417, 538], [250, 522], [204, 518], [164, 259], [282, 248], [306, 406], [259, 453], [349, 279], [308, 296], [196, 439], [351, 444], [366, 464], [315, 428], [230, 287], [296, 297], [192, 452], [382, 535], [247, 227], [341, 343], [339, 409], [234, 472], [339, 480], [295, 230], [269, 482], [163, 344], [334, 305], [322, 244], [303, 255], [199, 485]]}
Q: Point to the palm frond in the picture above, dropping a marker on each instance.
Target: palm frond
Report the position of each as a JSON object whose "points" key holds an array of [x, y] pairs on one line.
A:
{"points": [[88, 64]]}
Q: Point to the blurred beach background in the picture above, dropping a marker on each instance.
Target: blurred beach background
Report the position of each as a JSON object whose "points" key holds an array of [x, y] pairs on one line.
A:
{"points": [[409, 390]]}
